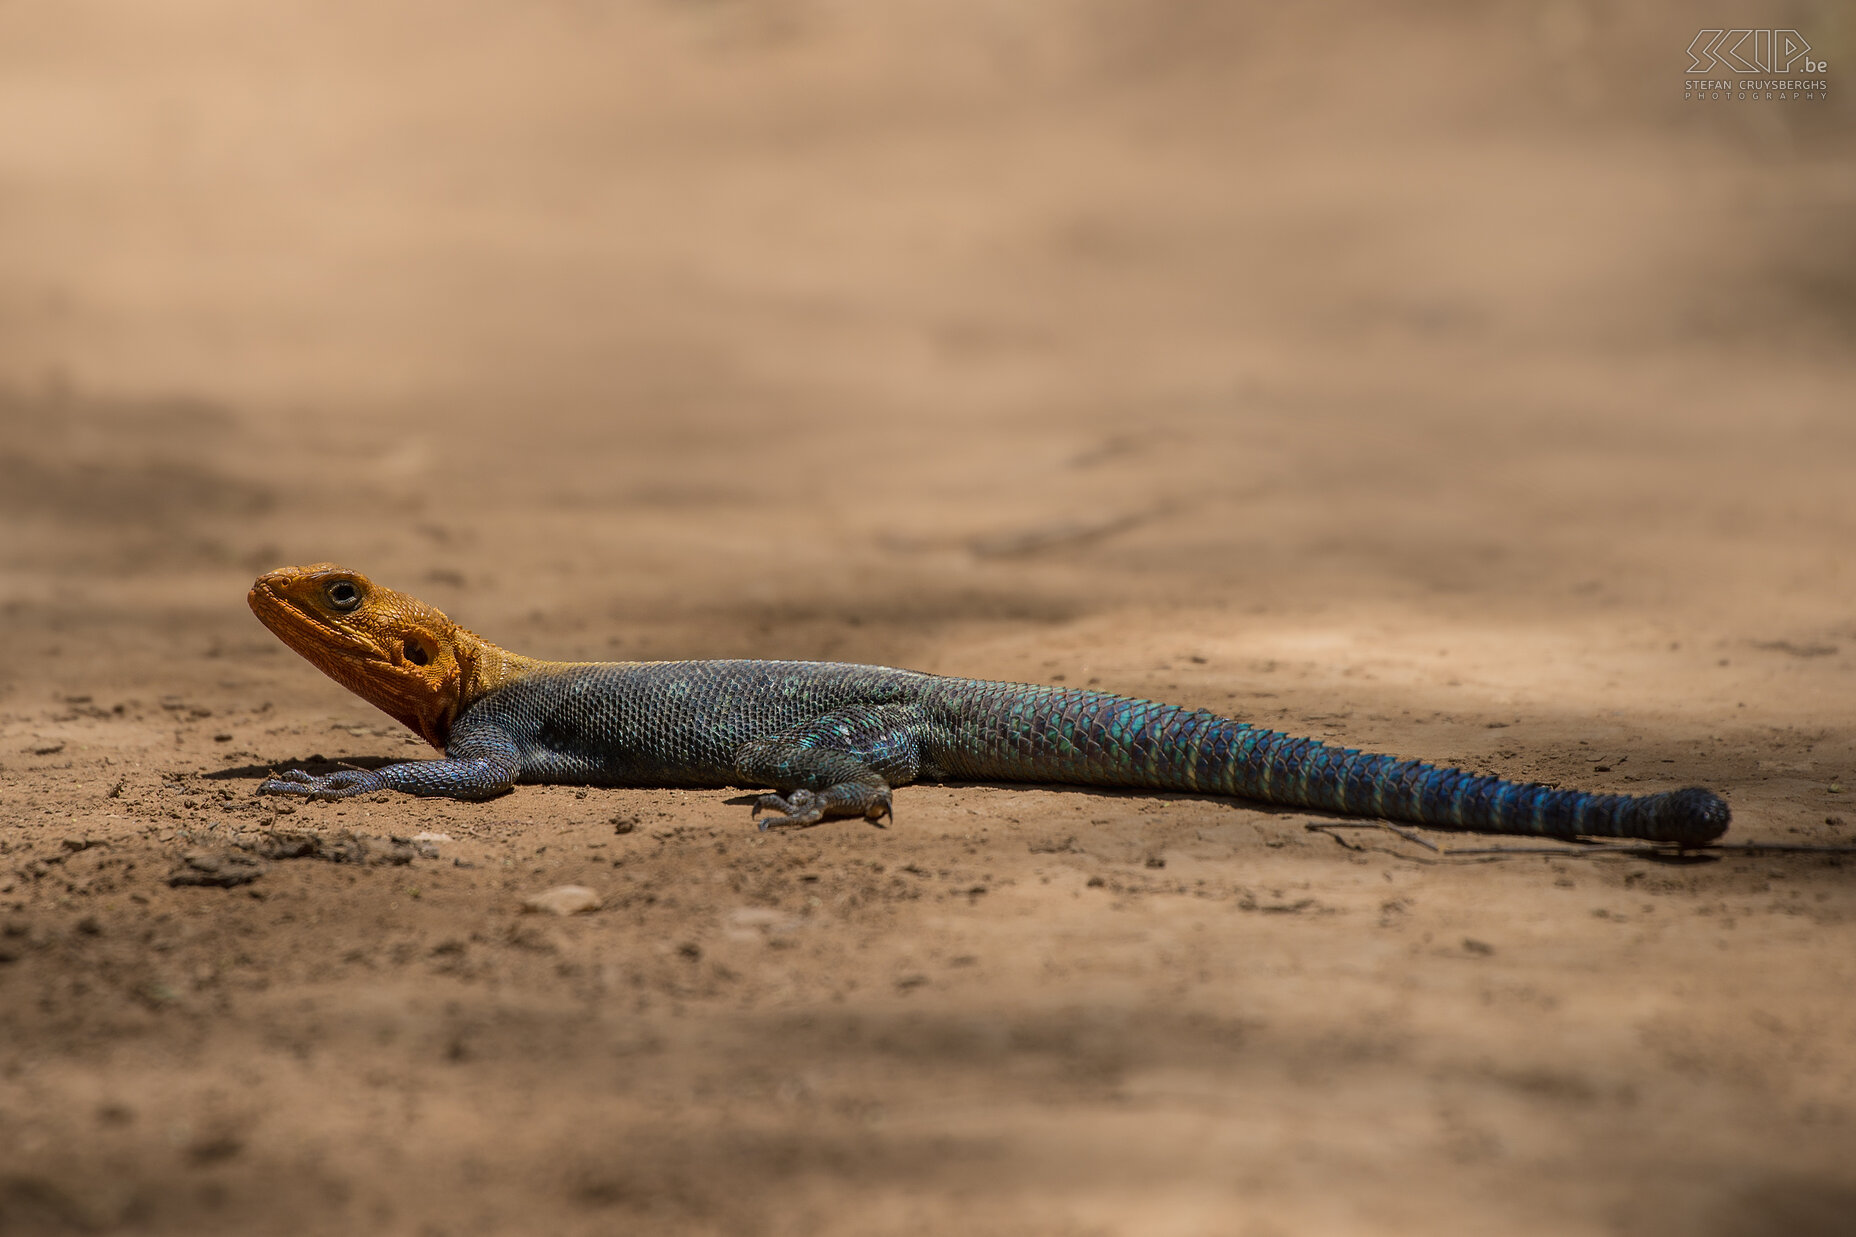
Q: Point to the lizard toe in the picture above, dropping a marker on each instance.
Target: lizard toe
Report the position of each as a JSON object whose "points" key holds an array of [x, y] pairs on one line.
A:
{"points": [[338, 785], [288, 782], [795, 808], [786, 805], [793, 820]]}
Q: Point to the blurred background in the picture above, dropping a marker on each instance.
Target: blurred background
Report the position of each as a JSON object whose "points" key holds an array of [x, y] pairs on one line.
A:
{"points": [[916, 312], [1428, 376]]}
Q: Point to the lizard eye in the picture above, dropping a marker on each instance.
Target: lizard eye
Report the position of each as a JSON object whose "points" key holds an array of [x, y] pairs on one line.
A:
{"points": [[343, 595], [416, 654]]}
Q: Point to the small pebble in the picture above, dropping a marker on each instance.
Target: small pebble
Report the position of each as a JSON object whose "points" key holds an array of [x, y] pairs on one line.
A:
{"points": [[562, 900]]}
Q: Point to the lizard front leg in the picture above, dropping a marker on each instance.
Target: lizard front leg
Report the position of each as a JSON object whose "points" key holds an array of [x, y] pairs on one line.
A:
{"points": [[478, 766], [841, 764]]}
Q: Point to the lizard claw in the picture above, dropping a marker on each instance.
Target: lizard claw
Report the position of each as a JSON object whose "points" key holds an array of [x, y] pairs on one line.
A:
{"points": [[338, 785], [880, 807]]}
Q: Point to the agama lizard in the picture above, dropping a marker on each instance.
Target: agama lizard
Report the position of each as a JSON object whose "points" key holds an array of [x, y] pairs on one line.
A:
{"points": [[832, 740]]}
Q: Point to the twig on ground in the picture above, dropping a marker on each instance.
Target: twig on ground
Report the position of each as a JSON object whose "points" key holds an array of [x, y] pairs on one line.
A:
{"points": [[1409, 836], [1574, 848]]}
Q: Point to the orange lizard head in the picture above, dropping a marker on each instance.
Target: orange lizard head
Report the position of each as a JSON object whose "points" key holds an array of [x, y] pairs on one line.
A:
{"points": [[394, 651]]}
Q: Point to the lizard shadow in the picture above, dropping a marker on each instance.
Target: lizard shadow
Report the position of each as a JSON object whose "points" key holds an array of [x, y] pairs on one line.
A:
{"points": [[1315, 817], [317, 764], [1091, 792], [750, 800]]}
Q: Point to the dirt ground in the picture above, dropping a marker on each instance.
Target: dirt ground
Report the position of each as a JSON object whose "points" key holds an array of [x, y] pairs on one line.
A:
{"points": [[1429, 378]]}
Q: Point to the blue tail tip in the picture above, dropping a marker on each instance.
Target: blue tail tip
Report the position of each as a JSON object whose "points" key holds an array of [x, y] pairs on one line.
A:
{"points": [[1692, 817]]}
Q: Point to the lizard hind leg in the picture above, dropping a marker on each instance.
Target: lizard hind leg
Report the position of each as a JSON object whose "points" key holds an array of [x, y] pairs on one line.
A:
{"points": [[841, 764]]}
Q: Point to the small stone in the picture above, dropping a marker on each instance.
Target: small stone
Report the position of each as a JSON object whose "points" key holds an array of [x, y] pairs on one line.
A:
{"points": [[1834, 822], [1474, 946], [562, 900], [748, 923], [624, 824]]}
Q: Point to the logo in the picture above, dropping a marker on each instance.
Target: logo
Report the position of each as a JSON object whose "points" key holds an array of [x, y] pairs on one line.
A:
{"points": [[1751, 51], [1753, 65]]}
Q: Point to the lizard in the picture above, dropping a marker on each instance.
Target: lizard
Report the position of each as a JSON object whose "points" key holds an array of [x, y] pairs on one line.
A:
{"points": [[833, 739]]}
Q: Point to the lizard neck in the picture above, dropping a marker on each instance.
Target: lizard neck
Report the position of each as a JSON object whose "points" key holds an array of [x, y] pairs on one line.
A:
{"points": [[485, 667]]}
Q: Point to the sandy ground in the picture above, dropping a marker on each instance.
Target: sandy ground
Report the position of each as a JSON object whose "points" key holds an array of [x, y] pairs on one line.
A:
{"points": [[1443, 385]]}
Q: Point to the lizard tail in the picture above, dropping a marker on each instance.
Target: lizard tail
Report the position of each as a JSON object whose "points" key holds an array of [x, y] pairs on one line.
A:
{"points": [[1280, 768], [1090, 737]]}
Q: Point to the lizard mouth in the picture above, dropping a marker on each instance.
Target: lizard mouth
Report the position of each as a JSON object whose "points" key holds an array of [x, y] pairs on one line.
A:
{"points": [[302, 628]]}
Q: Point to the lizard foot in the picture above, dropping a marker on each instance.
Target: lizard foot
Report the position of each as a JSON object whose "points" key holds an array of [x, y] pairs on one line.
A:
{"points": [[338, 785], [803, 807]]}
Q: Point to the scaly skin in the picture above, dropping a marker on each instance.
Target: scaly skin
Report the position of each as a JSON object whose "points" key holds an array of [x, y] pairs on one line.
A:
{"points": [[833, 739]]}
